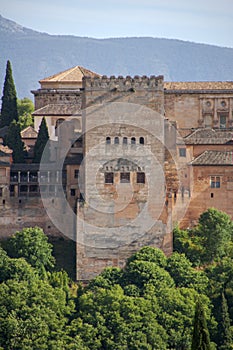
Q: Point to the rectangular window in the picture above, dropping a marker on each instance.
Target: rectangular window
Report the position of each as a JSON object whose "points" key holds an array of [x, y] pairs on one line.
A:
{"points": [[76, 172], [125, 177], [0, 191], [223, 121], [140, 178], [215, 181], [72, 192], [109, 178], [182, 152]]}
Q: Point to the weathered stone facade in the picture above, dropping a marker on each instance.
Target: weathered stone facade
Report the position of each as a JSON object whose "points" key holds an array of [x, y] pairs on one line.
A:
{"points": [[134, 156]]}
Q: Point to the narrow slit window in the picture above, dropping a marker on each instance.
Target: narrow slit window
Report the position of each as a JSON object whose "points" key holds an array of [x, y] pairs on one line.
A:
{"points": [[133, 141], [72, 192], [223, 121]]}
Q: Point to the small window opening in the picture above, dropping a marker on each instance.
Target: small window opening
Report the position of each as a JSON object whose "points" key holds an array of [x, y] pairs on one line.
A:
{"points": [[109, 178], [116, 140], [125, 177], [140, 178], [215, 181], [141, 140], [72, 192], [182, 152], [133, 141]]}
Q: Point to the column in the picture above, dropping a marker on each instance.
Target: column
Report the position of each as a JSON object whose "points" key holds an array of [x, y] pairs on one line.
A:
{"points": [[230, 112], [201, 120], [215, 112]]}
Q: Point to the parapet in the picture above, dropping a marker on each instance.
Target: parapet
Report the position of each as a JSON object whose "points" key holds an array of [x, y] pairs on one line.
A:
{"points": [[120, 83]]}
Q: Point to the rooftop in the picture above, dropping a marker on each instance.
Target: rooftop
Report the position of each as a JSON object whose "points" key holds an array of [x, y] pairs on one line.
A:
{"points": [[5, 150], [214, 158], [209, 137], [61, 109], [199, 85], [74, 74], [29, 133]]}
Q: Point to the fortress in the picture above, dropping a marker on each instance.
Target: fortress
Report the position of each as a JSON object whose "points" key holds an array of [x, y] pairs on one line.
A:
{"points": [[130, 157]]}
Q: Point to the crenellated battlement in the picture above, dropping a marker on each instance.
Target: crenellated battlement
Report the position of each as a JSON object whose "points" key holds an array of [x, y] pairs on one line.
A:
{"points": [[120, 83]]}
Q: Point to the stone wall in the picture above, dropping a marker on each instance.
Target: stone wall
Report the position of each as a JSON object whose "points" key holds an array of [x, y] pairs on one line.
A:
{"points": [[17, 213], [204, 197]]}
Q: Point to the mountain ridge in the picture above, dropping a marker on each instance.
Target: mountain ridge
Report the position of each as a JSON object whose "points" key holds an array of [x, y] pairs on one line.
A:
{"points": [[35, 55]]}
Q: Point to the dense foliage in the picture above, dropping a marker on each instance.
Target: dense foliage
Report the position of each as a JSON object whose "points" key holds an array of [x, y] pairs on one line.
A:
{"points": [[25, 108], [155, 302], [14, 142], [42, 139], [9, 110]]}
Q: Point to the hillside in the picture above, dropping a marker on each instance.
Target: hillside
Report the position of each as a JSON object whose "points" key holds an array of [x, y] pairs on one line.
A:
{"points": [[35, 55]]}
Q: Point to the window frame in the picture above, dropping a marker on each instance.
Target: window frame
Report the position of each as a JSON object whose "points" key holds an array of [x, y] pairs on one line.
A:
{"points": [[125, 177], [141, 177], [182, 152], [109, 175], [215, 181]]}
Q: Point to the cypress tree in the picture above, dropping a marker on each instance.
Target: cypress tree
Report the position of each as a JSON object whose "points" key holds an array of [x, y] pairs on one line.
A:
{"points": [[13, 141], [9, 99], [42, 139], [226, 342], [201, 338]]}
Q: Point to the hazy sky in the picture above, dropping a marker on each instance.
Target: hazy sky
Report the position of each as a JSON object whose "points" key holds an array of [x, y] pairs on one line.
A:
{"points": [[205, 21]]}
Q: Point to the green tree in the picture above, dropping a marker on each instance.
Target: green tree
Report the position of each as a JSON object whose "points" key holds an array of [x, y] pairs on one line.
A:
{"points": [[184, 275], [25, 108], [189, 243], [215, 227], [42, 139], [33, 315], [210, 240], [151, 254], [108, 319], [32, 245], [9, 99], [201, 338], [225, 341], [13, 141]]}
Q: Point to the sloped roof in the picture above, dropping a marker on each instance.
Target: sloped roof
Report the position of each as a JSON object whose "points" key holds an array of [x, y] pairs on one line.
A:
{"points": [[29, 133], [5, 150], [214, 158], [58, 109], [209, 137], [199, 85], [74, 74]]}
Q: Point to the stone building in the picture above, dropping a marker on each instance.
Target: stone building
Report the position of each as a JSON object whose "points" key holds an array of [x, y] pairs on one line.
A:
{"points": [[129, 157]]}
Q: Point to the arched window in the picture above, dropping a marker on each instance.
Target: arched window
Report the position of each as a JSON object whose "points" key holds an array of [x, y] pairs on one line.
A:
{"points": [[58, 123], [116, 140], [108, 140], [141, 140], [133, 141], [125, 140]]}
